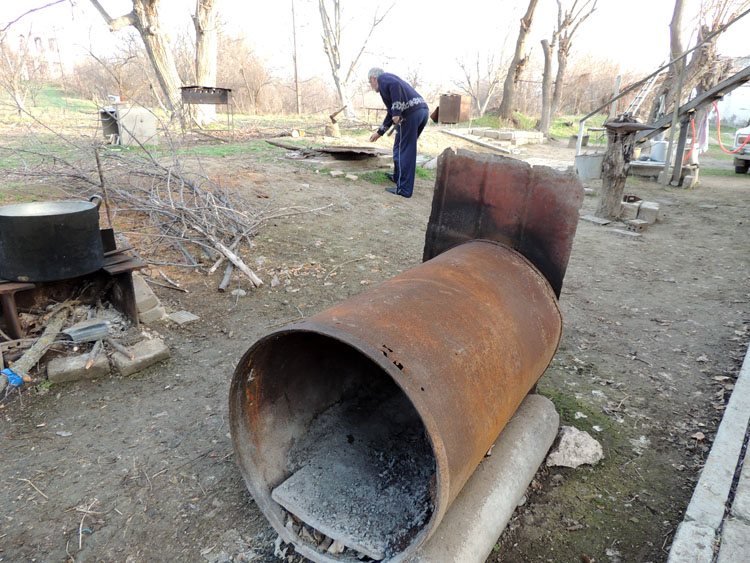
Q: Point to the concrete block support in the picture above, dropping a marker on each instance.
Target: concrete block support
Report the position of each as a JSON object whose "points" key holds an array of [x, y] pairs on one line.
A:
{"points": [[629, 210], [145, 298], [649, 211], [73, 368], [481, 511], [147, 353]]}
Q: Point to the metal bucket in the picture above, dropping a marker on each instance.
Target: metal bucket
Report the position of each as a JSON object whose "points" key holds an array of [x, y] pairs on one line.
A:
{"points": [[49, 241], [366, 420]]}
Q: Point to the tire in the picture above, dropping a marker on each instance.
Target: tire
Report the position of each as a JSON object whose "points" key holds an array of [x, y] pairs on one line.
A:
{"points": [[740, 169], [740, 166]]}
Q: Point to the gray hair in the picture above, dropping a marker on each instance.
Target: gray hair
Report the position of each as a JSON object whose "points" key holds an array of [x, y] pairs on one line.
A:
{"points": [[374, 72]]}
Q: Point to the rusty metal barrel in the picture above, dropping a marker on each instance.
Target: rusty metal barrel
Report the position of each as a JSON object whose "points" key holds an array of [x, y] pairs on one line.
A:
{"points": [[364, 421]]}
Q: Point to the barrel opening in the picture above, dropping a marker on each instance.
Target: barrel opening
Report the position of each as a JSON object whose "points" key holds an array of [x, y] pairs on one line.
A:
{"points": [[360, 467]]}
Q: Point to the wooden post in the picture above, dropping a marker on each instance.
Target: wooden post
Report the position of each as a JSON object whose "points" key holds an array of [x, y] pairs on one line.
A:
{"points": [[677, 170]]}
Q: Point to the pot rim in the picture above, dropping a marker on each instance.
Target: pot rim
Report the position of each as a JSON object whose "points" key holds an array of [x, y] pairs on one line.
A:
{"points": [[46, 208]]}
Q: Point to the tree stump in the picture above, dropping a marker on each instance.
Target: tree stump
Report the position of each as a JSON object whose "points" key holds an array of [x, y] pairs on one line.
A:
{"points": [[620, 145]]}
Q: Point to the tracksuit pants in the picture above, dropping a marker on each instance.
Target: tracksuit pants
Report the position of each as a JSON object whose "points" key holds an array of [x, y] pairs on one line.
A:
{"points": [[405, 150]]}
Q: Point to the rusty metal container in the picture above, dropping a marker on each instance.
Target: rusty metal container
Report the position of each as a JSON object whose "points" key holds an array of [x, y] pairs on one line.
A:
{"points": [[454, 108], [455, 344]]}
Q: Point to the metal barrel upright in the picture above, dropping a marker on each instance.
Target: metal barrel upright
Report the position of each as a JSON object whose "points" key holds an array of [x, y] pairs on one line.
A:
{"points": [[362, 423]]}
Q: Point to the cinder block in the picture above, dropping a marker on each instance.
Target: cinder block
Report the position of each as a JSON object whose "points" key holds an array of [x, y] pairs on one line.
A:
{"points": [[637, 225], [73, 368], [629, 210], [649, 211], [491, 134], [147, 353], [690, 181], [336, 173], [144, 295], [152, 316]]}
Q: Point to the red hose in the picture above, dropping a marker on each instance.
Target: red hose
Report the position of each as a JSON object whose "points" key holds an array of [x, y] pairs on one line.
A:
{"points": [[692, 144], [718, 133]]}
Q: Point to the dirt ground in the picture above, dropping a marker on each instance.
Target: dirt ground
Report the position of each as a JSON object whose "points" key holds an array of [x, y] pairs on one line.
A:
{"points": [[655, 330]]}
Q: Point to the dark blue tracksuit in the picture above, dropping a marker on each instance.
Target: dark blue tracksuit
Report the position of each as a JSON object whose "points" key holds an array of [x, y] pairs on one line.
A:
{"points": [[401, 99]]}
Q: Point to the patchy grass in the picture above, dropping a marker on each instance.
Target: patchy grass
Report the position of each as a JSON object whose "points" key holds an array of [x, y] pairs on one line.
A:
{"points": [[718, 172], [379, 176]]}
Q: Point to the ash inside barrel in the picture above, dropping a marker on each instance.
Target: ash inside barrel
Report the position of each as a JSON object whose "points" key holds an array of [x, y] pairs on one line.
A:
{"points": [[362, 475]]}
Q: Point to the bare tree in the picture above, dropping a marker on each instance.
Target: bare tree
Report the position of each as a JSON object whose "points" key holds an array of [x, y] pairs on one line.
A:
{"points": [[703, 68], [568, 22], [517, 64], [145, 18], [332, 48], [18, 69], [546, 118], [206, 50], [481, 83]]}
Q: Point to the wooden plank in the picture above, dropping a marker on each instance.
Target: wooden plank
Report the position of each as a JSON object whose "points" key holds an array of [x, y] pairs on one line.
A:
{"points": [[478, 142], [11, 287]]}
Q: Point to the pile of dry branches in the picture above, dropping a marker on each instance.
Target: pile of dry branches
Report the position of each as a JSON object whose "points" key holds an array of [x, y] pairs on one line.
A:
{"points": [[191, 218]]}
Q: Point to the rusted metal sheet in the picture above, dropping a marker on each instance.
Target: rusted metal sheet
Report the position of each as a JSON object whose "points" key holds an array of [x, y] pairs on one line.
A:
{"points": [[463, 336], [484, 196]]}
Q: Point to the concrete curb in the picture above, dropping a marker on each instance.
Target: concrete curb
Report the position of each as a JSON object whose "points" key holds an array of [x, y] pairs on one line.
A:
{"points": [[470, 528], [700, 534]]}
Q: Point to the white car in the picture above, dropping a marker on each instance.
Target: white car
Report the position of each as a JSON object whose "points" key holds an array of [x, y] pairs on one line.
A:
{"points": [[741, 158]]}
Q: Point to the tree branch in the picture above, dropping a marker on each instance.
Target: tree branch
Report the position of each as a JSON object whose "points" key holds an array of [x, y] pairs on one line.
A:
{"points": [[4, 29]]}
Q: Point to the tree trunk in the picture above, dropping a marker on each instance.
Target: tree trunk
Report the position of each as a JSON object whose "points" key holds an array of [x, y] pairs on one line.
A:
{"points": [[562, 65], [614, 172], [206, 46], [145, 18], [662, 98], [516, 66], [546, 118]]}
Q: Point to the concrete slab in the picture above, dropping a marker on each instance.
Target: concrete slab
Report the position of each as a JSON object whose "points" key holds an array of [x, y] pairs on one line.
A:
{"points": [[152, 316], [741, 504], [712, 491], [147, 353], [596, 220], [64, 369], [735, 542], [705, 515], [625, 233], [145, 298], [693, 543], [478, 516]]}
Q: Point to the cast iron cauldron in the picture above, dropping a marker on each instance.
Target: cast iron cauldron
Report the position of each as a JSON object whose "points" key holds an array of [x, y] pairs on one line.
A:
{"points": [[48, 241]]}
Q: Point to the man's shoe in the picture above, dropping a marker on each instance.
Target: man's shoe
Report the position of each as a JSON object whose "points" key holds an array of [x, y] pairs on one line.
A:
{"points": [[394, 191], [390, 176]]}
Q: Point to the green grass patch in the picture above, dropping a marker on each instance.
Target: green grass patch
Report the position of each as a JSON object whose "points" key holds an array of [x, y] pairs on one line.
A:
{"points": [[567, 406], [378, 177], [232, 149], [718, 171]]}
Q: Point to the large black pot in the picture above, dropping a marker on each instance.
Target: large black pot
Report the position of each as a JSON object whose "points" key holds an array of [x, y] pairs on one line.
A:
{"points": [[48, 241]]}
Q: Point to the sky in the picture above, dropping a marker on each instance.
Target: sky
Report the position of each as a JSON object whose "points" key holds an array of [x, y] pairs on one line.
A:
{"points": [[427, 35]]}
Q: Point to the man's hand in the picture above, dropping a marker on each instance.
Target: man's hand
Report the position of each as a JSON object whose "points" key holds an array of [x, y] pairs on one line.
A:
{"points": [[374, 137], [397, 119]]}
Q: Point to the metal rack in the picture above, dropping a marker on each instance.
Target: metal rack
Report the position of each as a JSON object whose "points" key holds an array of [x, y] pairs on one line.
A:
{"points": [[209, 95]]}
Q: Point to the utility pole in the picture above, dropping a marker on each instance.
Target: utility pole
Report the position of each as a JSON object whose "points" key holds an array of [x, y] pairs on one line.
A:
{"points": [[296, 79]]}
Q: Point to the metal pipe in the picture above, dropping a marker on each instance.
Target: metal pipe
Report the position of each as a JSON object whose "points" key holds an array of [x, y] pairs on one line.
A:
{"points": [[460, 339]]}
